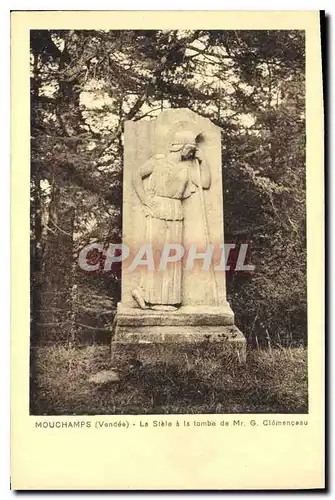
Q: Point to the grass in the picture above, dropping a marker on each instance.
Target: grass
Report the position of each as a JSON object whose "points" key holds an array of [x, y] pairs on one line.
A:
{"points": [[271, 382]]}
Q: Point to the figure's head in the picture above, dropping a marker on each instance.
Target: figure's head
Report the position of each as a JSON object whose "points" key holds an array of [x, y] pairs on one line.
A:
{"points": [[184, 141]]}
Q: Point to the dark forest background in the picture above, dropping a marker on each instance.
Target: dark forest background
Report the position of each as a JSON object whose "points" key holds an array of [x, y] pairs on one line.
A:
{"points": [[85, 84]]}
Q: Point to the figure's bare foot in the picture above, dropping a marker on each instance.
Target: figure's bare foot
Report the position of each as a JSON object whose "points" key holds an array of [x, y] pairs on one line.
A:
{"points": [[162, 307], [138, 297]]}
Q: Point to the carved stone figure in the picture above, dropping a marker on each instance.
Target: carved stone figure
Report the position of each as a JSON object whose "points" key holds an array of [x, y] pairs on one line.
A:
{"points": [[173, 195], [171, 178]]}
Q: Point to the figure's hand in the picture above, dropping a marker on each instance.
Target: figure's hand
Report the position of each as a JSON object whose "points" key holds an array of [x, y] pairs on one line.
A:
{"points": [[149, 204], [199, 155]]}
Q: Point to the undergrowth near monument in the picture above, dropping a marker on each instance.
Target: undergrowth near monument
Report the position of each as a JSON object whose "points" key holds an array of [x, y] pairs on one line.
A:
{"points": [[272, 381]]}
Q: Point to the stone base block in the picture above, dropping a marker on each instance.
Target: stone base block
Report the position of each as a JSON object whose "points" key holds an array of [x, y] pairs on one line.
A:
{"points": [[171, 344], [184, 316]]}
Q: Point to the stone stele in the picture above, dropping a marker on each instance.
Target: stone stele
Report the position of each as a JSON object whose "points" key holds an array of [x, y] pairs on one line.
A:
{"points": [[172, 193]]}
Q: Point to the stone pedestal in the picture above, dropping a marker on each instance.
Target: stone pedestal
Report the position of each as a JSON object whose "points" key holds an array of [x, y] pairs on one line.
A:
{"points": [[204, 319]]}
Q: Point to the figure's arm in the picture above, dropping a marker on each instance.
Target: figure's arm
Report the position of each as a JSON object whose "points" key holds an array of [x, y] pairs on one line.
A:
{"points": [[144, 171], [205, 172]]}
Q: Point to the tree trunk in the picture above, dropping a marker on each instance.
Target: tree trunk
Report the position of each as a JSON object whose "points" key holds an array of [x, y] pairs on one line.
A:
{"points": [[56, 318]]}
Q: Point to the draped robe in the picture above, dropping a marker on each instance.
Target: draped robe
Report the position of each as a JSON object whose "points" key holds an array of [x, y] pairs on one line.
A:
{"points": [[168, 184]]}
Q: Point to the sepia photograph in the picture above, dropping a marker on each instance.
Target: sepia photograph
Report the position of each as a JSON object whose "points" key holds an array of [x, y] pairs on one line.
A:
{"points": [[168, 222], [167, 250]]}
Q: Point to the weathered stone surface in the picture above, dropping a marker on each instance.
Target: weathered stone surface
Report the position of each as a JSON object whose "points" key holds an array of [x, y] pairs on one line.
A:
{"points": [[176, 334], [171, 344], [185, 315]]}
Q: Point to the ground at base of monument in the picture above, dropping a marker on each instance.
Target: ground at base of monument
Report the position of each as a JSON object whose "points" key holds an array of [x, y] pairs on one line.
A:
{"points": [[272, 381]]}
